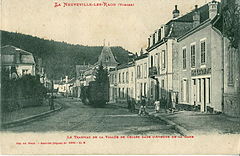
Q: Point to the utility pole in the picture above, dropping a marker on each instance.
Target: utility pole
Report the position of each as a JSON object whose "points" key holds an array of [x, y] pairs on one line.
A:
{"points": [[51, 98]]}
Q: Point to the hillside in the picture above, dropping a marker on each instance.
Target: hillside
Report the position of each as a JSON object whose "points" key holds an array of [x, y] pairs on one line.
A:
{"points": [[59, 58]]}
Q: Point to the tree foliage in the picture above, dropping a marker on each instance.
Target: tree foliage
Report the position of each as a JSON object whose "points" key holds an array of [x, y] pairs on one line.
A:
{"points": [[231, 22], [59, 58], [101, 75], [21, 92]]}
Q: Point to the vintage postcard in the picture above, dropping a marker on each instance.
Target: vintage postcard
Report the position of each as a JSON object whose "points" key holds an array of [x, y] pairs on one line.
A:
{"points": [[120, 77]]}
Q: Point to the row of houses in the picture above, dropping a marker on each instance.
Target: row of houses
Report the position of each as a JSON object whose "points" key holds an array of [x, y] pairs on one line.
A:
{"points": [[187, 61], [85, 73]]}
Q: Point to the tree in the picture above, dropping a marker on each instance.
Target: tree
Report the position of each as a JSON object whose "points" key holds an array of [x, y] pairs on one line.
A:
{"points": [[231, 22], [101, 75]]}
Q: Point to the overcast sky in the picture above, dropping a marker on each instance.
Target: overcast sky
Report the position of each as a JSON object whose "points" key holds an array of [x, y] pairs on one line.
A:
{"points": [[128, 27]]}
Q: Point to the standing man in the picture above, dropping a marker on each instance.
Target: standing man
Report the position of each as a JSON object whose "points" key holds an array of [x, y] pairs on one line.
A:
{"points": [[157, 106]]}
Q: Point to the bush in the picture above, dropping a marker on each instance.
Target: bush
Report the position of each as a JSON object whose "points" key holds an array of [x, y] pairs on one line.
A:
{"points": [[21, 92]]}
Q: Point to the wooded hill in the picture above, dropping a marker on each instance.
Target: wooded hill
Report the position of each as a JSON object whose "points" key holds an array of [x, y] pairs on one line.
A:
{"points": [[59, 58]]}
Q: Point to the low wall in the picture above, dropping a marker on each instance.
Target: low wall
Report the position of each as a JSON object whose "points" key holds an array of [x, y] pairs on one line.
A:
{"points": [[232, 104]]}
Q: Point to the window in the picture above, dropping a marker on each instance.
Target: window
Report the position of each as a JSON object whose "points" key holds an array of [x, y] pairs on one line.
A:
{"points": [[119, 92], [138, 71], [107, 58], [158, 63], [115, 78], [145, 70], [123, 93], [159, 34], [154, 38], [163, 58], [145, 89], [141, 71], [132, 77], [193, 56], [199, 90], [162, 83], [184, 58], [119, 77], [112, 78], [203, 52], [24, 71], [127, 77], [148, 42], [123, 78], [151, 61]]}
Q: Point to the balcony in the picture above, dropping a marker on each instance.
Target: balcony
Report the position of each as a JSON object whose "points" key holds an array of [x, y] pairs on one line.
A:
{"points": [[152, 71]]}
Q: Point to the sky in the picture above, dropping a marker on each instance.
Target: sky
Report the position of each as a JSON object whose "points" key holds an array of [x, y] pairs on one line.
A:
{"points": [[128, 27]]}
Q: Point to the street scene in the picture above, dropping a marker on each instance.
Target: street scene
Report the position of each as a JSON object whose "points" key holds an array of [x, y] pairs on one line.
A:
{"points": [[75, 116], [183, 79]]}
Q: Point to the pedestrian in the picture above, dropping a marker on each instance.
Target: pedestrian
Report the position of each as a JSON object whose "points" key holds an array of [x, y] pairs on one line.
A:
{"points": [[129, 105], [157, 106], [142, 110], [133, 105]]}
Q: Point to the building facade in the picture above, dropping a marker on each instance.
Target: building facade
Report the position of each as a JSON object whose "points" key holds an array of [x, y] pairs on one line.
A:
{"points": [[231, 60], [142, 77], [18, 62], [200, 64]]}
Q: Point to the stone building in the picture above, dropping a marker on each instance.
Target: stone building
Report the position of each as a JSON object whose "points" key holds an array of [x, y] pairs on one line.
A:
{"points": [[231, 60]]}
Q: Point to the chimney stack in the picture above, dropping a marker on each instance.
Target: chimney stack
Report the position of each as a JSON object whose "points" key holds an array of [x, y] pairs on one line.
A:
{"points": [[176, 12], [196, 17], [212, 9]]}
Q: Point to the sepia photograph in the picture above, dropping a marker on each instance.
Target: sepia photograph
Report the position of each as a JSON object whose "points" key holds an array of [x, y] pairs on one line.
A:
{"points": [[120, 76]]}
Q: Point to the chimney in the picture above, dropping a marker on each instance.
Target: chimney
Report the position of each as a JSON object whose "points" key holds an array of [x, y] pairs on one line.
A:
{"points": [[196, 17], [212, 9], [141, 52], [176, 12]]}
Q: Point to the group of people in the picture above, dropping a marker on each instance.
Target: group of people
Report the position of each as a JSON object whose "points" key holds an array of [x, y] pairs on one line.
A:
{"points": [[169, 106], [142, 109]]}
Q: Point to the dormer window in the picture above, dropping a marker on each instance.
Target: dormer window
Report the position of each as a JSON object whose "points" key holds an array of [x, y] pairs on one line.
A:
{"points": [[153, 38], [148, 42], [159, 34]]}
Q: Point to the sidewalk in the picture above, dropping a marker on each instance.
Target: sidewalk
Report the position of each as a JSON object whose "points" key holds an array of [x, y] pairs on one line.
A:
{"points": [[196, 123], [25, 114]]}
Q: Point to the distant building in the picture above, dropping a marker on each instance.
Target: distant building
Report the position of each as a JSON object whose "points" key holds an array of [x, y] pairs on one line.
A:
{"points": [[81, 77], [17, 61], [107, 58], [141, 74], [122, 82]]}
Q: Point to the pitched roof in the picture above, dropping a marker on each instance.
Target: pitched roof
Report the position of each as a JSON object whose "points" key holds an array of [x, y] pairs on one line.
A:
{"points": [[81, 69], [142, 56], [11, 50], [106, 57], [181, 25], [19, 56]]}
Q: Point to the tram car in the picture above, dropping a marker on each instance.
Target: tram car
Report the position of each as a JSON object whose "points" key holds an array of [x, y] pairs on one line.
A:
{"points": [[95, 94]]}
